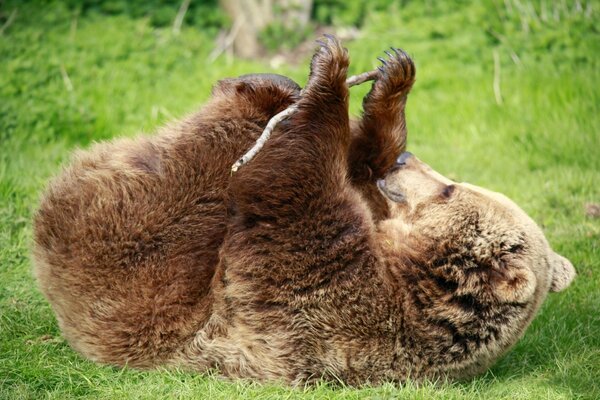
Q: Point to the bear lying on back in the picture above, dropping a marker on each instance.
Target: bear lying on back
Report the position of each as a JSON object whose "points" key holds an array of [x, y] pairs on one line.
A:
{"points": [[327, 256]]}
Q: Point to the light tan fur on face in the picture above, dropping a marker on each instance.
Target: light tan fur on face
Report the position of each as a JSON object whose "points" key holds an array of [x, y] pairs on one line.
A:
{"points": [[423, 188]]}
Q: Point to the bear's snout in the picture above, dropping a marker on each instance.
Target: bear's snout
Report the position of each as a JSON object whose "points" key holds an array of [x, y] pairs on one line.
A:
{"points": [[390, 194]]}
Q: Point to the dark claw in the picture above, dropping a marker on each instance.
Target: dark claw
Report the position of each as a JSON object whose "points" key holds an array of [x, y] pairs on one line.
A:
{"points": [[321, 43], [382, 60], [330, 38], [400, 53], [388, 54], [381, 69]]}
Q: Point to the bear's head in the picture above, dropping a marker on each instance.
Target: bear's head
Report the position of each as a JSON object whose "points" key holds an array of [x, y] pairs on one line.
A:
{"points": [[474, 228], [476, 239], [470, 261]]}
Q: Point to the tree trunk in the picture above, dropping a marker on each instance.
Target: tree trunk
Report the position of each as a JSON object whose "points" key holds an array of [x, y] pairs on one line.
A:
{"points": [[250, 17]]}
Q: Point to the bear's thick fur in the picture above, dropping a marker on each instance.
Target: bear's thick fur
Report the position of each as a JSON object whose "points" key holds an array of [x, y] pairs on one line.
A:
{"points": [[324, 257]]}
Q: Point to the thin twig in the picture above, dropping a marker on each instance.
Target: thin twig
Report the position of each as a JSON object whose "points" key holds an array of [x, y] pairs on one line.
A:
{"points": [[228, 40], [504, 41], [9, 21], [266, 134], [362, 78], [263, 137], [73, 28], [66, 79], [496, 84], [180, 15]]}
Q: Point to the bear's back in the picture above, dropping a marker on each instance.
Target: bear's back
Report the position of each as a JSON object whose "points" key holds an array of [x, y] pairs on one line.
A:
{"points": [[127, 239]]}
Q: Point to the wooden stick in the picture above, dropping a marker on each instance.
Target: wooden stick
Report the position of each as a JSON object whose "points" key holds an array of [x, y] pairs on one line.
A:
{"points": [[362, 78], [496, 84], [180, 16], [263, 137], [66, 79], [9, 21], [266, 134]]}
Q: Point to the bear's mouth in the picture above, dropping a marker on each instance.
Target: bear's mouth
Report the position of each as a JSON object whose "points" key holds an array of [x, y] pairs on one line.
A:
{"points": [[390, 194]]}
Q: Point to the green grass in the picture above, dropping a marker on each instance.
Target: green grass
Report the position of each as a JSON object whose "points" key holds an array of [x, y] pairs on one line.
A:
{"points": [[68, 79]]}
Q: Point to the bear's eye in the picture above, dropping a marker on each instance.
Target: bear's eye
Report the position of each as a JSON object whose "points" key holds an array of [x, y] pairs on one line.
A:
{"points": [[516, 248], [448, 190]]}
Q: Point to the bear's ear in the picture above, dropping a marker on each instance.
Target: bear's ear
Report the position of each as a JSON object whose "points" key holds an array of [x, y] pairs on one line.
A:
{"points": [[562, 272], [229, 86], [514, 284]]}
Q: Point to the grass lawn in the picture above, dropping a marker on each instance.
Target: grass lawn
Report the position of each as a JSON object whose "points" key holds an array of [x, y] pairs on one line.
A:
{"points": [[70, 78]]}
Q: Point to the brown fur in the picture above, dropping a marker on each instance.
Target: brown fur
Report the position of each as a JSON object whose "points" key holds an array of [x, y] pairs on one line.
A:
{"points": [[296, 267]]}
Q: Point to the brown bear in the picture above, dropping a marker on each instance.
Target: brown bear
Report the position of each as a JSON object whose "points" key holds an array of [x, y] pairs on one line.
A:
{"points": [[327, 256]]}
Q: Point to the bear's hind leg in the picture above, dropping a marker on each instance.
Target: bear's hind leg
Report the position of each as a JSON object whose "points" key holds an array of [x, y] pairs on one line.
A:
{"points": [[380, 136], [308, 149], [294, 199], [298, 244]]}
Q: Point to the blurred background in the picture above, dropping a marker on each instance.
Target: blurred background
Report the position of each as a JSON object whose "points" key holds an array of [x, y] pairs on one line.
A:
{"points": [[507, 97]]}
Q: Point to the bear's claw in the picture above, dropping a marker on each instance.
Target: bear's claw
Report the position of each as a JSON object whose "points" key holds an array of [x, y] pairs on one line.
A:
{"points": [[394, 80], [399, 69]]}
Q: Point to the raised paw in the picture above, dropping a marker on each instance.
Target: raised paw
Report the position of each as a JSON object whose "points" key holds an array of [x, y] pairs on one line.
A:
{"points": [[396, 77], [329, 67], [397, 72], [381, 135]]}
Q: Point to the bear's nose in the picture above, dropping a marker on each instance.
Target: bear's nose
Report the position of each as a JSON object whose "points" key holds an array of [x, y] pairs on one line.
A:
{"points": [[403, 158]]}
